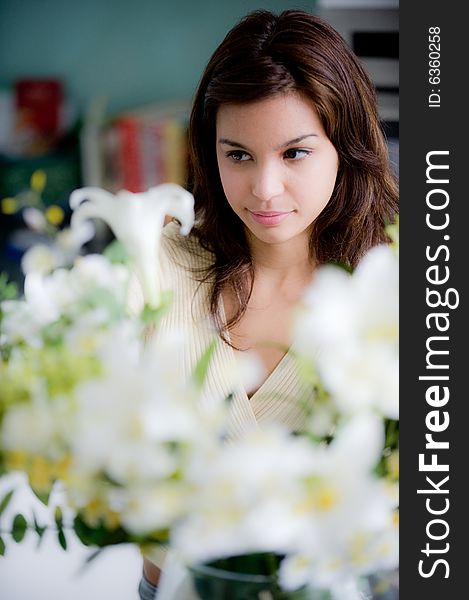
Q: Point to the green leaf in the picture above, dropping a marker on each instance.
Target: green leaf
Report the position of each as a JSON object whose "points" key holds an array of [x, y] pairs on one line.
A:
{"points": [[341, 265], [89, 559], [8, 289], [19, 528], [99, 535], [42, 496], [39, 529], [152, 316], [2, 547], [62, 539], [200, 372], [392, 433], [58, 517], [82, 531], [59, 521], [115, 252], [5, 501], [93, 555]]}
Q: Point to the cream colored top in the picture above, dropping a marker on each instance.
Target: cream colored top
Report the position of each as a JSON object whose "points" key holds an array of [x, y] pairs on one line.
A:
{"points": [[281, 398]]}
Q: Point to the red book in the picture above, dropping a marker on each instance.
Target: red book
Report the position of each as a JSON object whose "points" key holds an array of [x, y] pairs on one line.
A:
{"points": [[38, 102], [130, 154]]}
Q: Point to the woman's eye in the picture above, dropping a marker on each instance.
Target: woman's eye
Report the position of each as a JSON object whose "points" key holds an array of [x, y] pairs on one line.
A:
{"points": [[238, 155], [296, 153]]}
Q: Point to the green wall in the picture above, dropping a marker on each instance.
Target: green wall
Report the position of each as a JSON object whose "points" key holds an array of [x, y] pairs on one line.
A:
{"points": [[132, 52]]}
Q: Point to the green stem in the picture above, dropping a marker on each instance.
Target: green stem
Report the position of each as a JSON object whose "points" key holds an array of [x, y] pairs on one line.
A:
{"points": [[391, 433], [272, 564]]}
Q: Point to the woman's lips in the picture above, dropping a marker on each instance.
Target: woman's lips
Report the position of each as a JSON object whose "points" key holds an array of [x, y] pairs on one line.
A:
{"points": [[269, 217]]}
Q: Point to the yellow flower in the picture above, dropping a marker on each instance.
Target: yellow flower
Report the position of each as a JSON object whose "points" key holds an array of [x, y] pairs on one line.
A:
{"points": [[381, 587], [62, 467], [41, 474], [321, 497], [16, 460], [326, 499], [9, 206], [54, 214], [38, 181], [111, 520], [93, 512], [97, 512]]}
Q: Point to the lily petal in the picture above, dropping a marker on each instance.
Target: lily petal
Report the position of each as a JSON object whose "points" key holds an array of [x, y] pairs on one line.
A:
{"points": [[137, 221]]}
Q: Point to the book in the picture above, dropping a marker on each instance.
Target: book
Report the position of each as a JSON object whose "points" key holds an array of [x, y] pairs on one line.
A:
{"points": [[145, 147]]}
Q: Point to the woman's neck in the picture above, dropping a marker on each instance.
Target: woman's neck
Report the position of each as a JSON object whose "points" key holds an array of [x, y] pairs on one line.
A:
{"points": [[282, 263]]}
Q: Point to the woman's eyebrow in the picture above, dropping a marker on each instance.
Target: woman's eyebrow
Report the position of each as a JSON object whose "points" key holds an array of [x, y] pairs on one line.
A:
{"points": [[228, 142], [296, 140]]}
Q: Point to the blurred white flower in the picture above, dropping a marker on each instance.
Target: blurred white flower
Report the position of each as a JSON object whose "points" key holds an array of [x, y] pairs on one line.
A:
{"points": [[137, 221], [20, 324], [45, 295], [139, 424], [94, 271], [40, 259], [31, 427], [363, 378], [87, 398], [145, 508], [43, 258], [349, 326], [70, 240], [34, 219], [349, 528], [65, 293], [244, 497]]}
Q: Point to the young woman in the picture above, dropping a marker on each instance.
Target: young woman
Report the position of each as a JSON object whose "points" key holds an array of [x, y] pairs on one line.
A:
{"points": [[289, 169]]}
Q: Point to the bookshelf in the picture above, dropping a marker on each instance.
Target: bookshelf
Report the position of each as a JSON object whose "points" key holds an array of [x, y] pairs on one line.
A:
{"points": [[137, 149]]}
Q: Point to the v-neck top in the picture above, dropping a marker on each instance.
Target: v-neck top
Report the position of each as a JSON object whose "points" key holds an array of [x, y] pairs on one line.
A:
{"points": [[283, 397]]}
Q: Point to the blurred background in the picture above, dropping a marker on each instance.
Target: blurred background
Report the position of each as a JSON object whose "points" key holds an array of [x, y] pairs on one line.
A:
{"points": [[98, 92]]}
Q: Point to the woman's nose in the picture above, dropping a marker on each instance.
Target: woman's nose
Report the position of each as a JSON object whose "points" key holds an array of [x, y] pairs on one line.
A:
{"points": [[267, 182]]}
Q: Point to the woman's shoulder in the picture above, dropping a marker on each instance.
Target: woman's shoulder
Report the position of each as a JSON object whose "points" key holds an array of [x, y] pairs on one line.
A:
{"points": [[184, 250]]}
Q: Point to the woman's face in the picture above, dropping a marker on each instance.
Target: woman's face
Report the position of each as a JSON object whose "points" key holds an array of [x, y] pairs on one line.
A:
{"points": [[277, 166]]}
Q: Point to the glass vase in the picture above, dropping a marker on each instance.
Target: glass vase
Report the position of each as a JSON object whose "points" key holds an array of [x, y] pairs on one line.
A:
{"points": [[213, 583]]}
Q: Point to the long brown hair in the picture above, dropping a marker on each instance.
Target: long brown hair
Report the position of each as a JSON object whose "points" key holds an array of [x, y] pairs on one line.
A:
{"points": [[263, 55]]}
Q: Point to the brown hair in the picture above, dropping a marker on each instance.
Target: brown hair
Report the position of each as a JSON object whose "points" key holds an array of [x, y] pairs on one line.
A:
{"points": [[263, 55]]}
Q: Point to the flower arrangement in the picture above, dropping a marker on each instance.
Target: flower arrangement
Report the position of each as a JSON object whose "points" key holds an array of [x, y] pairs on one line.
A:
{"points": [[90, 406]]}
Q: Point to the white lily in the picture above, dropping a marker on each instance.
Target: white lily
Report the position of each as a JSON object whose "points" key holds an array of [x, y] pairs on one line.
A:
{"points": [[145, 508], [69, 241], [137, 220], [30, 426], [52, 254], [244, 497], [34, 219], [349, 327], [40, 258], [349, 528]]}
